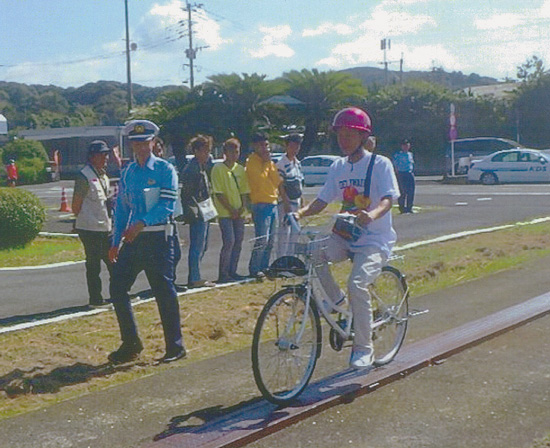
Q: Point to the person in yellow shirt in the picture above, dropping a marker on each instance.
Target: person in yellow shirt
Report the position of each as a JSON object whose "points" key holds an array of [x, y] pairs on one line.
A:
{"points": [[230, 189], [265, 186]]}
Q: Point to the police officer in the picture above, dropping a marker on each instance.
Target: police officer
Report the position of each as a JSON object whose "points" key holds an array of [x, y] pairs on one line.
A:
{"points": [[144, 239], [91, 204]]}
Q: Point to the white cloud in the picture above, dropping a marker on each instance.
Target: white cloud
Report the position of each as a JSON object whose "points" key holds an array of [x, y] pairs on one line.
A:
{"points": [[426, 56], [498, 21], [168, 23], [273, 43], [397, 23], [328, 28], [398, 3], [363, 50], [544, 11]]}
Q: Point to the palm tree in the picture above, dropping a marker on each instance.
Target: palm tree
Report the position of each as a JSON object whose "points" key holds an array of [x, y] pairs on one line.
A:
{"points": [[238, 101], [322, 93]]}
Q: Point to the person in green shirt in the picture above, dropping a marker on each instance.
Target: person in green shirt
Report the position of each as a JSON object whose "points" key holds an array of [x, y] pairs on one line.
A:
{"points": [[231, 190]]}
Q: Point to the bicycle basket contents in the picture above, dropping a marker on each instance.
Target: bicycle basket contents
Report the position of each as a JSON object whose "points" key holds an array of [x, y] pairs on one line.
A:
{"points": [[345, 225]]}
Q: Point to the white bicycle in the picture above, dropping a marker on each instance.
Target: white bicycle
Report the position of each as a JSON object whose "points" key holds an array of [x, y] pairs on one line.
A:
{"points": [[288, 336]]}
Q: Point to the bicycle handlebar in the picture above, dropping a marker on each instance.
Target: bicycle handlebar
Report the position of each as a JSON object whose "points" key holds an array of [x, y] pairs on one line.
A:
{"points": [[290, 218]]}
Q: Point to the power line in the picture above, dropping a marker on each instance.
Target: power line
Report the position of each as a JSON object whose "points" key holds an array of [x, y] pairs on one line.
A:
{"points": [[235, 23]]}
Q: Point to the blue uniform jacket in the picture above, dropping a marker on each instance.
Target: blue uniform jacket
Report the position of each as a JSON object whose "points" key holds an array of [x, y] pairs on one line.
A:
{"points": [[131, 201]]}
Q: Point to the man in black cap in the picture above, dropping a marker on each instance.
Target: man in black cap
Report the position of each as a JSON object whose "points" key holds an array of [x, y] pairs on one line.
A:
{"points": [[91, 205]]}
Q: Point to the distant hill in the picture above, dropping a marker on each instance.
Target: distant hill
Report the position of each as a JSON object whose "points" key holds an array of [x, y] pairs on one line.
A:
{"points": [[96, 103], [454, 80]]}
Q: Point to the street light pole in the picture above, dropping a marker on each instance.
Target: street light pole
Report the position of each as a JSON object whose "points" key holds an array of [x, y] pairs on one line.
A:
{"points": [[128, 70], [190, 51]]}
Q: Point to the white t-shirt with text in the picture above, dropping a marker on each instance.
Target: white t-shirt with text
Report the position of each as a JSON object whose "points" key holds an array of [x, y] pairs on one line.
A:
{"points": [[346, 183]]}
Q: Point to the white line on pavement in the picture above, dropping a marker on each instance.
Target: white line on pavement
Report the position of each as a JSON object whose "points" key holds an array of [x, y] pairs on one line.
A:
{"points": [[440, 239]]}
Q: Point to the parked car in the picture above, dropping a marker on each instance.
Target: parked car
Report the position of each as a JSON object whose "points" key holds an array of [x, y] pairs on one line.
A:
{"points": [[468, 149], [315, 169], [276, 156], [516, 165]]}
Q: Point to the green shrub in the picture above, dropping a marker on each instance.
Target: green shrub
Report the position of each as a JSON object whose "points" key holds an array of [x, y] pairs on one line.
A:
{"points": [[21, 217], [24, 149], [31, 160], [32, 171]]}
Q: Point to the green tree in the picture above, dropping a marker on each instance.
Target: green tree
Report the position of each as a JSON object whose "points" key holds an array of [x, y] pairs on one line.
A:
{"points": [[24, 149], [235, 100], [417, 110], [531, 70], [322, 93]]}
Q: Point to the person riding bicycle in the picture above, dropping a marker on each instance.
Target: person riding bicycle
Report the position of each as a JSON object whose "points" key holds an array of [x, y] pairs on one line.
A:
{"points": [[347, 181]]}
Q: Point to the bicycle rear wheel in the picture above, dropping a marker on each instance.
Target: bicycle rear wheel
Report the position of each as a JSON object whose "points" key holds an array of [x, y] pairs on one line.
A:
{"points": [[390, 309], [284, 352]]}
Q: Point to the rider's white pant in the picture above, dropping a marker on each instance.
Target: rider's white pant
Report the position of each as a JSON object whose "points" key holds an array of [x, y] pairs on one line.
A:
{"points": [[367, 265]]}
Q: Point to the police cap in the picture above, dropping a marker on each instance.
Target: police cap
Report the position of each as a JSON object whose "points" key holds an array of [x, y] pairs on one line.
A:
{"points": [[141, 130]]}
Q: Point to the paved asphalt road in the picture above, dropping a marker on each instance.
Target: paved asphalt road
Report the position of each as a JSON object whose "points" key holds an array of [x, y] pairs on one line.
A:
{"points": [[446, 209]]}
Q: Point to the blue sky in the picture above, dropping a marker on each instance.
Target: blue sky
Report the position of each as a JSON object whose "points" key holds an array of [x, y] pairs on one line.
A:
{"points": [[72, 42]]}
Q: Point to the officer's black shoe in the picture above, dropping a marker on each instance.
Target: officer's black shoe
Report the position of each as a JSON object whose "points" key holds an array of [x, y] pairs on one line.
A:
{"points": [[126, 352], [173, 355], [97, 302]]}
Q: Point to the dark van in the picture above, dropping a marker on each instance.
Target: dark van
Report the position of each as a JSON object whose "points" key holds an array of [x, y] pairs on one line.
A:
{"points": [[467, 149]]}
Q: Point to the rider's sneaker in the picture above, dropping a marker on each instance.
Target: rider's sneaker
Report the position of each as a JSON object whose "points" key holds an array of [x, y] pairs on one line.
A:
{"points": [[361, 359]]}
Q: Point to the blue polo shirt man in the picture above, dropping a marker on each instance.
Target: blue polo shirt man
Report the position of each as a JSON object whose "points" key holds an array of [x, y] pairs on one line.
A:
{"points": [[144, 239], [403, 161]]}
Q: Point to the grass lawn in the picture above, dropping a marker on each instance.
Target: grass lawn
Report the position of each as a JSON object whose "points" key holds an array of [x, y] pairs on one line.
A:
{"points": [[55, 362], [43, 250]]}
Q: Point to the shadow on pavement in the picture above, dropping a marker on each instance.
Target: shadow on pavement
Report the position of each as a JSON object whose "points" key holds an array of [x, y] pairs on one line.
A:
{"points": [[21, 382], [258, 415]]}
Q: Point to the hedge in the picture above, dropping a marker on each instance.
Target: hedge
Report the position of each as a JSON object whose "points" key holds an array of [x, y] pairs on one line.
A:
{"points": [[21, 217]]}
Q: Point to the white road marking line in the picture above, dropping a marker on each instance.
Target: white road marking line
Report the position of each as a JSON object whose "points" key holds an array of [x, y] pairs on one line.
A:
{"points": [[26, 325]]}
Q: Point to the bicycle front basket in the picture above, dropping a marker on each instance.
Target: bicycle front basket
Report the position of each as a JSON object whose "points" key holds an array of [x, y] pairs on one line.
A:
{"points": [[286, 267]]}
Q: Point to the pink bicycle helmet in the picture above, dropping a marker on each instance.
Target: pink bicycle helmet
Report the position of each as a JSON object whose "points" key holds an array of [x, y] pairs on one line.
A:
{"points": [[352, 117]]}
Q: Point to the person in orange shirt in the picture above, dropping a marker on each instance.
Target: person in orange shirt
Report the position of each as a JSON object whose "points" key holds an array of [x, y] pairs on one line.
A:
{"points": [[265, 185], [13, 175]]}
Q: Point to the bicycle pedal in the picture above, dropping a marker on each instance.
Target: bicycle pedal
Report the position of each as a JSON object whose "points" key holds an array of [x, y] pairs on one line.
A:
{"points": [[415, 312]]}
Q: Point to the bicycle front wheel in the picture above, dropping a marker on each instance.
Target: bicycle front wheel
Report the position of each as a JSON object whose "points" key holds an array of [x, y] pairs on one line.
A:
{"points": [[286, 345], [390, 309]]}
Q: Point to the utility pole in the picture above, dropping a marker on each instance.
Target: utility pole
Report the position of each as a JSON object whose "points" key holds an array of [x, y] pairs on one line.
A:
{"points": [[385, 44], [128, 69], [191, 53], [401, 69]]}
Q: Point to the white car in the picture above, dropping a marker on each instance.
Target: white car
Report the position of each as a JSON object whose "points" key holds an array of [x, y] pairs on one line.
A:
{"points": [[315, 169], [276, 156], [513, 165]]}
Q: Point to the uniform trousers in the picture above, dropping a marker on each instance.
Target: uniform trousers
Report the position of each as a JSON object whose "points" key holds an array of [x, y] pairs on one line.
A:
{"points": [[154, 253], [406, 186], [96, 247], [367, 263]]}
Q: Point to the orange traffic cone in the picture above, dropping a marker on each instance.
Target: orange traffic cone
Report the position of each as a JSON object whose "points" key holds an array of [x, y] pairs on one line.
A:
{"points": [[64, 204]]}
